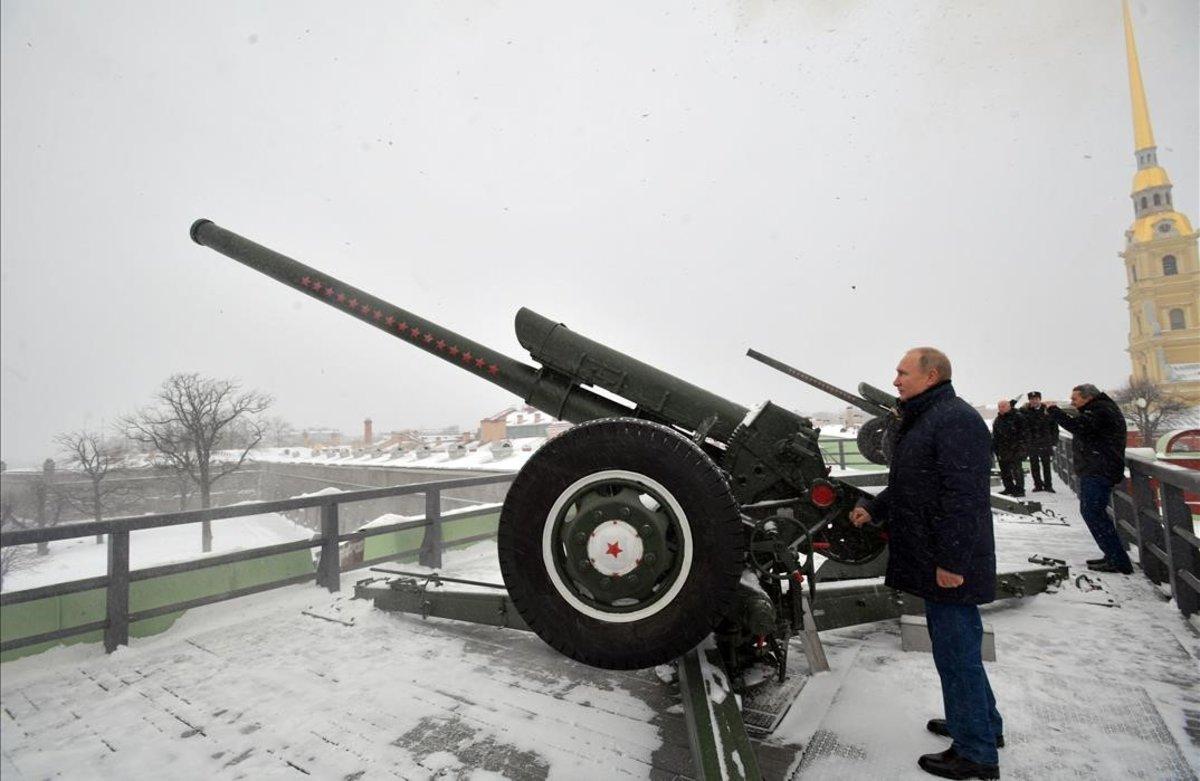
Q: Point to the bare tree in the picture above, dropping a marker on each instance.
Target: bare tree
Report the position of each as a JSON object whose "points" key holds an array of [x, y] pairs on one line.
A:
{"points": [[13, 558], [43, 505], [91, 454], [193, 418], [281, 431], [1148, 405]]}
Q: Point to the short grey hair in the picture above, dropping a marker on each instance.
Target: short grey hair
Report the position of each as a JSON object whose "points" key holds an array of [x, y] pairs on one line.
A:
{"points": [[931, 358], [1087, 390]]}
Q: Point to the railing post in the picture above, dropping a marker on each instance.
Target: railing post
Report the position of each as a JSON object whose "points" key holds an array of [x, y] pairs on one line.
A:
{"points": [[329, 572], [1180, 555], [842, 452], [431, 545], [1150, 530], [116, 602]]}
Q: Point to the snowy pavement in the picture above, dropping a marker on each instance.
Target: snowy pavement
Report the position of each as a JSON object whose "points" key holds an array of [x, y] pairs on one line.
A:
{"points": [[297, 682]]}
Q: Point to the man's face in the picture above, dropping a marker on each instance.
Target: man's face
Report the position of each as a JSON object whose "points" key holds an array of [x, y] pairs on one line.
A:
{"points": [[1035, 402], [1078, 399], [1005, 406], [910, 380]]}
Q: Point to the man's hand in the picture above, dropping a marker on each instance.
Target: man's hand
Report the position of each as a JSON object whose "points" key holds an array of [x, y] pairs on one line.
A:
{"points": [[859, 516], [946, 579]]}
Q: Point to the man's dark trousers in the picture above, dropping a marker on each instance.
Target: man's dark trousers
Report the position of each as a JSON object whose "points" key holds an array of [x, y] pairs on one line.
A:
{"points": [[1039, 467], [1012, 473], [1094, 493], [956, 633]]}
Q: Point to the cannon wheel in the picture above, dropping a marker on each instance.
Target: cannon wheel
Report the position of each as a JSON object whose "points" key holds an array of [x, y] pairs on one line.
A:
{"points": [[621, 543], [875, 440]]}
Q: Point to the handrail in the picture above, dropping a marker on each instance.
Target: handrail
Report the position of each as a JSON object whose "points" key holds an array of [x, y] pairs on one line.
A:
{"points": [[119, 577]]}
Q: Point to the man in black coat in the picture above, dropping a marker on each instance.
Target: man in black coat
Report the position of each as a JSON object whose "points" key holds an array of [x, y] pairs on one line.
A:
{"points": [[1098, 450], [939, 518], [1009, 443], [1043, 436]]}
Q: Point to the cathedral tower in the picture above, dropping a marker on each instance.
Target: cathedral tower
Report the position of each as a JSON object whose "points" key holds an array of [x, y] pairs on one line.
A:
{"points": [[1161, 262]]}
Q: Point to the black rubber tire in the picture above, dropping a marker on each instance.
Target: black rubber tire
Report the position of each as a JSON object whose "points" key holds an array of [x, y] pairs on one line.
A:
{"points": [[709, 589]]}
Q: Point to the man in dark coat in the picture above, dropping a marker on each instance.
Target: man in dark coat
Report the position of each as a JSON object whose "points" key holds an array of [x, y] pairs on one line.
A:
{"points": [[939, 518], [1009, 443], [1098, 450], [1043, 436]]}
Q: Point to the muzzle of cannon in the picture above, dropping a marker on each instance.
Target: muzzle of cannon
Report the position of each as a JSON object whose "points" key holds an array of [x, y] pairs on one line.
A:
{"points": [[623, 541]]}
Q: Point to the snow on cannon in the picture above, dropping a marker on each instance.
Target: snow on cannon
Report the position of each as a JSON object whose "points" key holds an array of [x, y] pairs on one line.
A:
{"points": [[629, 538]]}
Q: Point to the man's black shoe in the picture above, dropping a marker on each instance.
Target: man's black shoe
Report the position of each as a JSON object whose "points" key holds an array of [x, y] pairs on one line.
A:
{"points": [[938, 727], [1094, 562], [1049, 490], [1006, 492], [1037, 489], [1108, 566], [948, 764], [1018, 495]]}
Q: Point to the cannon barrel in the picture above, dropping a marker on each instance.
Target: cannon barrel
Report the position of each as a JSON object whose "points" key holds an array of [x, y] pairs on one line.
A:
{"points": [[548, 390]]}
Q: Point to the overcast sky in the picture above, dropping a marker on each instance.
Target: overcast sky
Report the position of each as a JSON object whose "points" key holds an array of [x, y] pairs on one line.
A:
{"points": [[828, 182]]}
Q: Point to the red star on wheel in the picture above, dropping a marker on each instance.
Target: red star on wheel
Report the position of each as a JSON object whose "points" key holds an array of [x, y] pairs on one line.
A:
{"points": [[441, 344], [614, 549], [467, 357], [479, 363], [453, 350], [341, 298], [493, 369], [415, 331], [304, 281]]}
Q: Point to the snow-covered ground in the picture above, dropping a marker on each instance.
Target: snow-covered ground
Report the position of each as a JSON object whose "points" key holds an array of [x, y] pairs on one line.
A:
{"points": [[1093, 684], [83, 558]]}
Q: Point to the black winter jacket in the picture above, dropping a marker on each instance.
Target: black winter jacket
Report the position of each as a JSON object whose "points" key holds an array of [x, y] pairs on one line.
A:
{"points": [[1009, 436], [1042, 430], [936, 503], [1097, 438]]}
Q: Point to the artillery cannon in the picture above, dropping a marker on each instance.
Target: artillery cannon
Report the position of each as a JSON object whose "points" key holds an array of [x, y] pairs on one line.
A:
{"points": [[626, 540]]}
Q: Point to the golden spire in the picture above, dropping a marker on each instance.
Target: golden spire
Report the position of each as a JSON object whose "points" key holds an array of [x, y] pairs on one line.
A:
{"points": [[1143, 135]]}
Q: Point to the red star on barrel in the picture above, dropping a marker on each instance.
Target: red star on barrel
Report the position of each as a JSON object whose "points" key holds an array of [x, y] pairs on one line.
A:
{"points": [[441, 344], [614, 549], [479, 363], [453, 350], [493, 369], [428, 338], [389, 320], [365, 309], [415, 331], [378, 314], [341, 297], [467, 357], [316, 286], [328, 292], [402, 327], [304, 281], [354, 303]]}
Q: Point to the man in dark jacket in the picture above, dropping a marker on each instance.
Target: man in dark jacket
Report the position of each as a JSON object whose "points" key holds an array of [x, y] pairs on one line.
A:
{"points": [[1043, 436], [939, 518], [1009, 443], [1098, 450]]}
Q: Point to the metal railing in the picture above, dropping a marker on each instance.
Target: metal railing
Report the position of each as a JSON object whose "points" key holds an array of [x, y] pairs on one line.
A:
{"points": [[116, 582], [1151, 514]]}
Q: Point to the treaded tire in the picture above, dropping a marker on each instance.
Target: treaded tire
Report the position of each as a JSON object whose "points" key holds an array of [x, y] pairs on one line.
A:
{"points": [[678, 465]]}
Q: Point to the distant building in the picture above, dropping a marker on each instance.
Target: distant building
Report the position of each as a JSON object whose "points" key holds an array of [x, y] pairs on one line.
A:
{"points": [[1161, 262], [314, 437], [517, 423]]}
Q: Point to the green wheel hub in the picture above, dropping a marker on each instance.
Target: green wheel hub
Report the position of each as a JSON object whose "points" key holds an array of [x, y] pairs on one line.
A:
{"points": [[616, 542]]}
